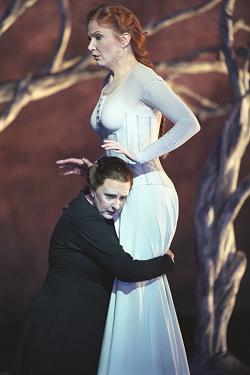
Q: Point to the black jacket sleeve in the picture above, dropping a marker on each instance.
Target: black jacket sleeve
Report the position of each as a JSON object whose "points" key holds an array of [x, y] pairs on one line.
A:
{"points": [[97, 242]]}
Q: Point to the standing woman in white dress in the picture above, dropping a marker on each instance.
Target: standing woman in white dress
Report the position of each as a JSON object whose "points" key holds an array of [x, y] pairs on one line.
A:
{"points": [[142, 334]]}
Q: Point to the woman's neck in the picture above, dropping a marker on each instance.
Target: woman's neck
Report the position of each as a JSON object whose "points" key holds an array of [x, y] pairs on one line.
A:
{"points": [[124, 65]]}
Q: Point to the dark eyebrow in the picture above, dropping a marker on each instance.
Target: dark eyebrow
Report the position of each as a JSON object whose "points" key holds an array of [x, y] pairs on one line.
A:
{"points": [[96, 32], [124, 196], [114, 195]]}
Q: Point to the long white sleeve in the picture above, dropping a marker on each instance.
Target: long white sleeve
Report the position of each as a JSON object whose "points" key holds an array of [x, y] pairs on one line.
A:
{"points": [[157, 94]]}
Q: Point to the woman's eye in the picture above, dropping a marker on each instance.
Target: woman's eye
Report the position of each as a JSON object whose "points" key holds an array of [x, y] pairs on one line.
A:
{"points": [[98, 37], [110, 196]]}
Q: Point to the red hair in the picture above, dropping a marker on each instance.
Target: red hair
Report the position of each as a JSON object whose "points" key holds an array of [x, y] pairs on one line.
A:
{"points": [[122, 20]]}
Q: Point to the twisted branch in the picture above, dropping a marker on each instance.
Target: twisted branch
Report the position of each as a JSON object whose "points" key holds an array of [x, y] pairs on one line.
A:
{"points": [[181, 15], [241, 25], [227, 39], [234, 203], [219, 202], [13, 12], [43, 86], [64, 35]]}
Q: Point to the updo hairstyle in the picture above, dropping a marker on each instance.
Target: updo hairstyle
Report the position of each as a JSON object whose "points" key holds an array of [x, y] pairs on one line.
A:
{"points": [[121, 20], [109, 167]]}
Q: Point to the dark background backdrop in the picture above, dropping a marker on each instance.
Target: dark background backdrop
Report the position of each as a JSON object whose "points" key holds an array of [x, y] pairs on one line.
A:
{"points": [[32, 193]]}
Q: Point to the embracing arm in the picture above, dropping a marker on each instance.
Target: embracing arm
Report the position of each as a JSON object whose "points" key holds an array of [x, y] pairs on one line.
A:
{"points": [[103, 247]]}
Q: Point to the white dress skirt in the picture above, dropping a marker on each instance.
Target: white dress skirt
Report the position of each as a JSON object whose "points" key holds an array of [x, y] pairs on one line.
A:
{"points": [[142, 334]]}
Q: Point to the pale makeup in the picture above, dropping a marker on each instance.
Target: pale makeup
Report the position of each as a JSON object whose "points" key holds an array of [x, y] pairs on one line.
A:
{"points": [[109, 198], [104, 45]]}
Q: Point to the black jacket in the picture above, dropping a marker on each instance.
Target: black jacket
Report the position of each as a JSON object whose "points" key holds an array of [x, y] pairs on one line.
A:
{"points": [[64, 326]]}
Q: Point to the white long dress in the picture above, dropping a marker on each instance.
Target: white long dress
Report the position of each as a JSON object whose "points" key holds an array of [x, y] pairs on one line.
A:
{"points": [[142, 335]]}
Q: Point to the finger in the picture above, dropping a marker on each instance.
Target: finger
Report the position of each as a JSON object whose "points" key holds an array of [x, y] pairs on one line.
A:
{"points": [[65, 161], [66, 166], [110, 142], [115, 145], [113, 148], [109, 145], [87, 162], [64, 173], [69, 160], [62, 166], [67, 173]]}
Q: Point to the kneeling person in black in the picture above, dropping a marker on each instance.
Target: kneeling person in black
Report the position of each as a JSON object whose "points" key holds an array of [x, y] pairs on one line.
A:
{"points": [[63, 330]]}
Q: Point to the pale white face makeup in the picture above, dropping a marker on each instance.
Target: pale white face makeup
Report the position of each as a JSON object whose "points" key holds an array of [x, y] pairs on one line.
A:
{"points": [[110, 197], [104, 45]]}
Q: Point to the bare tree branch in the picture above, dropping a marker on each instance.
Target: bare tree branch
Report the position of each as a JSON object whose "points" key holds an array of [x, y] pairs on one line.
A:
{"points": [[227, 36], [20, 99], [223, 183], [7, 89], [241, 25], [196, 54], [205, 114], [58, 57], [206, 109], [186, 65], [13, 12], [204, 102], [235, 202], [29, 90], [219, 202], [81, 69], [245, 81], [181, 15], [206, 308], [196, 67], [230, 276]]}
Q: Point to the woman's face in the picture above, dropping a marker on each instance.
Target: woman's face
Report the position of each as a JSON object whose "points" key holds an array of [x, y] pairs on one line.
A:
{"points": [[109, 198], [104, 45]]}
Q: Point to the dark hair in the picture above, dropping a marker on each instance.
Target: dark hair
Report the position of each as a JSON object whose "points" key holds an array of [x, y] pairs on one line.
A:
{"points": [[122, 20], [109, 167]]}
